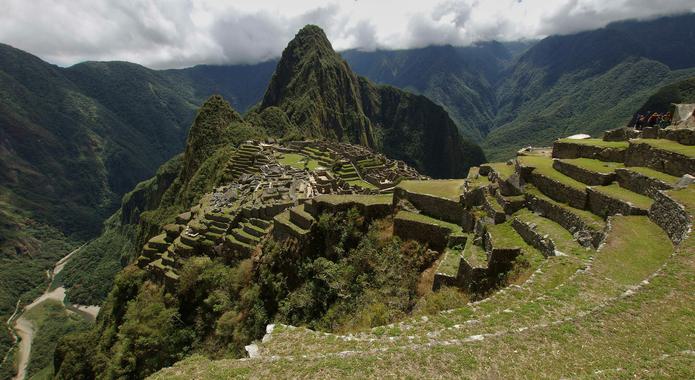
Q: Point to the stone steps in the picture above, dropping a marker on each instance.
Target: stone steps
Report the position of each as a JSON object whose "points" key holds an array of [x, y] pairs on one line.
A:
{"points": [[551, 182], [284, 227], [561, 240], [613, 151], [244, 237], [493, 209], [645, 181]]}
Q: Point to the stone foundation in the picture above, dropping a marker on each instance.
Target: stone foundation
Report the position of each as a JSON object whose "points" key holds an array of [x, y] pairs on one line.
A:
{"points": [[640, 183], [585, 235], [682, 136], [577, 150], [603, 205], [559, 191], [533, 238], [435, 236], [436, 207], [643, 154], [670, 216], [582, 175]]}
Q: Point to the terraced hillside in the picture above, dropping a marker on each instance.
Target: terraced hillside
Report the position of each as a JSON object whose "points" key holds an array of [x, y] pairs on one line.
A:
{"points": [[579, 261]]}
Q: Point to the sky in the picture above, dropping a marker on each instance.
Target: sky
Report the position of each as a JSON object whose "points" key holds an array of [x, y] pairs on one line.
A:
{"points": [[181, 33]]}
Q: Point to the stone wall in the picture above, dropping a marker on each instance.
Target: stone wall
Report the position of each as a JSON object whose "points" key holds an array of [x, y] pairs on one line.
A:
{"points": [[603, 205], [374, 211], [670, 216], [474, 197], [643, 154], [510, 206], [582, 175], [585, 235], [682, 136], [640, 183], [621, 134], [577, 150], [559, 191], [435, 236], [436, 207], [533, 238]]}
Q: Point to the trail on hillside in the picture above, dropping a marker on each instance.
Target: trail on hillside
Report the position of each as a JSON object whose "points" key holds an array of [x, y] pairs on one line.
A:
{"points": [[23, 330]]}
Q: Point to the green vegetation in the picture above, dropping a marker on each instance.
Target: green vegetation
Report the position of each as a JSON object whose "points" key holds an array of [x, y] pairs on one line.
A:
{"points": [[367, 200], [361, 183], [597, 143], [407, 215], [502, 169], [617, 192], [668, 145], [595, 166], [449, 189], [666, 178], [51, 322], [450, 262], [544, 167], [591, 219]]}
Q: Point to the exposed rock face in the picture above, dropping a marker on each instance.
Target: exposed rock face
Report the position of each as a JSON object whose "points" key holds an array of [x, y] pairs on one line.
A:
{"points": [[670, 216], [643, 154], [573, 150], [621, 134], [640, 183], [582, 175]]}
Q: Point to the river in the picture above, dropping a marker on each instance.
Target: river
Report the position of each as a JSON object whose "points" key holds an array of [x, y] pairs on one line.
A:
{"points": [[24, 330]]}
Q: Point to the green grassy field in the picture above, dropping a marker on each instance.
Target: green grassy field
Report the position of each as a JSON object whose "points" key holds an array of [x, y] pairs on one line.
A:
{"points": [[671, 146], [445, 188], [596, 166], [597, 142]]}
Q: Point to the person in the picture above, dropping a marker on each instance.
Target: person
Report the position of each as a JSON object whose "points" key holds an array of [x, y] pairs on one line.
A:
{"points": [[653, 119], [665, 120], [639, 124]]}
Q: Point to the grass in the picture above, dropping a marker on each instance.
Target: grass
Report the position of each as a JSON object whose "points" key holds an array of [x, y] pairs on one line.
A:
{"points": [[361, 183], [627, 257], [407, 215], [668, 145], [450, 263], [685, 197], [502, 169], [591, 219], [563, 239], [443, 188], [596, 166], [544, 167], [367, 200], [474, 255], [597, 142], [617, 192], [663, 177], [297, 161], [504, 236]]}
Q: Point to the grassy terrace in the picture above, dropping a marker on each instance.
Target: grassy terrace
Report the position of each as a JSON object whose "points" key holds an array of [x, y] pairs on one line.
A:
{"points": [[474, 255], [617, 192], [668, 145], [595, 166], [666, 178], [450, 263], [685, 197], [367, 200], [297, 161], [591, 219], [563, 239], [407, 215], [284, 219], [502, 169], [443, 188], [361, 183], [504, 236], [597, 142], [544, 167]]}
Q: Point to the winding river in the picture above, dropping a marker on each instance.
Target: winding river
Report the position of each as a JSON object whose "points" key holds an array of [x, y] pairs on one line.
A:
{"points": [[23, 329]]}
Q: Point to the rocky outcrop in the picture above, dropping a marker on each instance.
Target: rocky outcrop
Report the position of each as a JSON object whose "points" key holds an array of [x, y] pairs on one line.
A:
{"points": [[583, 175], [585, 234], [565, 149], [682, 136], [533, 238], [671, 216], [640, 183], [603, 205], [643, 154], [621, 134]]}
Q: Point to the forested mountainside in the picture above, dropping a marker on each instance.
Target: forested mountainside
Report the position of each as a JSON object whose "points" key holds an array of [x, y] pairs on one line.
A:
{"points": [[313, 94]]}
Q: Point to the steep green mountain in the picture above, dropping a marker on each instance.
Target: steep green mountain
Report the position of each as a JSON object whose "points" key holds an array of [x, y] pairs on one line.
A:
{"points": [[460, 79], [321, 95], [679, 92], [589, 82]]}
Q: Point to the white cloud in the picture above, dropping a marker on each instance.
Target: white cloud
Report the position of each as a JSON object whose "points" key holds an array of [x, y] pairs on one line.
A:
{"points": [[176, 33]]}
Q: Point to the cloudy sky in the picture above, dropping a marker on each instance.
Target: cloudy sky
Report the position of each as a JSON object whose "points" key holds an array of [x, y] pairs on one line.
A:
{"points": [[179, 33]]}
